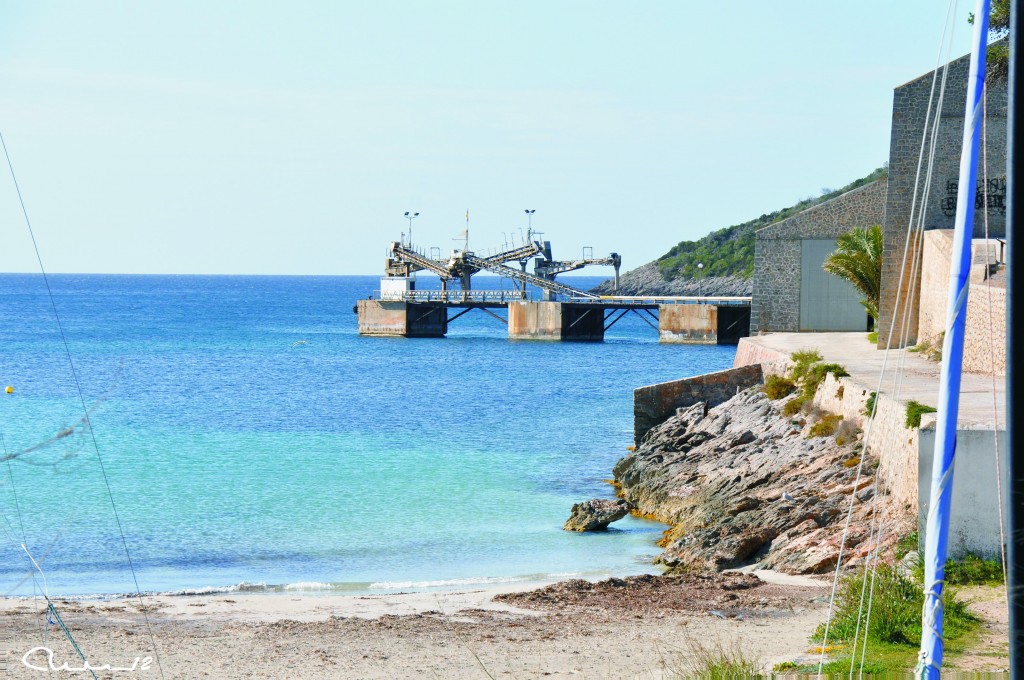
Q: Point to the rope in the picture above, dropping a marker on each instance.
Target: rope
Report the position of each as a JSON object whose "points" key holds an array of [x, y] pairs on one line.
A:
{"points": [[85, 409], [918, 255], [888, 344], [21, 523], [56, 615]]}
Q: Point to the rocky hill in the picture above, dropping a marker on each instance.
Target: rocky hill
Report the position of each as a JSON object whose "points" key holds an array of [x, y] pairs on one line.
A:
{"points": [[727, 255]]}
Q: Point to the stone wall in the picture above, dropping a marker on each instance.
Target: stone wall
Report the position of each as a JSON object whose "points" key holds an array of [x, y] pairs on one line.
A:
{"points": [[654, 403], [909, 114], [985, 336], [775, 305], [888, 438]]}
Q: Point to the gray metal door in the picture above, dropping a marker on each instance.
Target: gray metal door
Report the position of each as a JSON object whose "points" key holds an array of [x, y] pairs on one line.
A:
{"points": [[827, 302]]}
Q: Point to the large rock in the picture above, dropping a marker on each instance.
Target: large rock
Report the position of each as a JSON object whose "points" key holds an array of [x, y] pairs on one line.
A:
{"points": [[740, 484], [596, 515]]}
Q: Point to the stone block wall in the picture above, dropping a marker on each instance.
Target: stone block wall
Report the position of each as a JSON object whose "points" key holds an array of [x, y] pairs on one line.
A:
{"points": [[985, 337], [775, 303], [654, 403], [935, 203]]}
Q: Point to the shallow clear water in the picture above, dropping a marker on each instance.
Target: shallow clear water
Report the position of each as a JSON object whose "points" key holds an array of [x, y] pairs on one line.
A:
{"points": [[250, 435]]}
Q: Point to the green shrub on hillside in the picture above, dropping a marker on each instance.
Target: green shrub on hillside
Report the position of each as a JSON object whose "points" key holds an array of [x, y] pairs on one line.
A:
{"points": [[730, 251]]}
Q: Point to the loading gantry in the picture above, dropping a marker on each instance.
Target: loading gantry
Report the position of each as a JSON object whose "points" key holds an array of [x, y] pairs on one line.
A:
{"points": [[404, 260]]}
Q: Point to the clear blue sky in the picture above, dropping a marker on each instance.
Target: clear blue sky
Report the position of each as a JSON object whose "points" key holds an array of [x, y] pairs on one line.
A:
{"points": [[289, 138]]}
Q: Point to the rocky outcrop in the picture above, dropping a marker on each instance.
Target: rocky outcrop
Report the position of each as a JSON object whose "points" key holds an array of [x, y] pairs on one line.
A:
{"points": [[596, 515], [647, 280], [742, 484]]}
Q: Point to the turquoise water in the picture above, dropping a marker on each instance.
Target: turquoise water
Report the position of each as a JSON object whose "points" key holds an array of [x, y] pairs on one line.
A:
{"points": [[252, 439]]}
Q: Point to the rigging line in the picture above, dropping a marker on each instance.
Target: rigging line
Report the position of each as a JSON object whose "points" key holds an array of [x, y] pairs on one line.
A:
{"points": [[85, 409], [948, 26], [992, 338], [56, 615], [918, 230], [871, 592], [21, 521]]}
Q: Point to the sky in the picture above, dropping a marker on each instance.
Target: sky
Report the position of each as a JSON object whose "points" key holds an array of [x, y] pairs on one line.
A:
{"points": [[289, 138]]}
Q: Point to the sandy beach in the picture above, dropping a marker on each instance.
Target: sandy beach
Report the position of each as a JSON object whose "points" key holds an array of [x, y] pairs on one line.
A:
{"points": [[638, 627]]}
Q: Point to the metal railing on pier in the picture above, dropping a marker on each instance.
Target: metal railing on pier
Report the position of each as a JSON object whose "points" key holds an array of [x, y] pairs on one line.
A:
{"points": [[457, 297], [647, 300]]}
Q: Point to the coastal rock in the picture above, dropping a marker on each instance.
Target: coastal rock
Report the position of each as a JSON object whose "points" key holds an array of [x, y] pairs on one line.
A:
{"points": [[647, 280], [596, 515], [740, 485]]}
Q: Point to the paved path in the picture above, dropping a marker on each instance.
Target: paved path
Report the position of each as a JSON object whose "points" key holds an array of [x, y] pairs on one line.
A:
{"points": [[920, 377]]}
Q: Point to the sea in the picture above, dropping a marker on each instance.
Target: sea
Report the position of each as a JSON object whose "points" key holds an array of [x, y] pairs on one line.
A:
{"points": [[241, 435]]}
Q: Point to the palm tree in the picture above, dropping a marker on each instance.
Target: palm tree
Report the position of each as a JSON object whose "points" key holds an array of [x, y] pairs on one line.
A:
{"points": [[858, 259]]}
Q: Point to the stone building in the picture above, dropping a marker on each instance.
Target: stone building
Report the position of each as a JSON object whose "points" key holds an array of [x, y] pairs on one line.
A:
{"points": [[934, 206], [791, 291]]}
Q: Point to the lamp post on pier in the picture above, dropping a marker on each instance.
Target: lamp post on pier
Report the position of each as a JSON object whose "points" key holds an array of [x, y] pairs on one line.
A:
{"points": [[700, 271], [411, 216]]}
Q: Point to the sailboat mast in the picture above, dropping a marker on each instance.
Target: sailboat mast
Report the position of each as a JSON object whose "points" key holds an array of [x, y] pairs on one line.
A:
{"points": [[1014, 372], [937, 531]]}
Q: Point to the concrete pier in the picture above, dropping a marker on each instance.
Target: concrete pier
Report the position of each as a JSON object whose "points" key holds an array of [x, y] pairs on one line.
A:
{"points": [[426, 314], [404, 319], [702, 324], [556, 321]]}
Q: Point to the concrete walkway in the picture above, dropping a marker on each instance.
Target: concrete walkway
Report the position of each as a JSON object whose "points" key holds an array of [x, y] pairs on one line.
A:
{"points": [[920, 377]]}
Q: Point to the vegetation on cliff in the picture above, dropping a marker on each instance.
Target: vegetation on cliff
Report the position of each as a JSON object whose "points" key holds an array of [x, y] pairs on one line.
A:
{"points": [[730, 251]]}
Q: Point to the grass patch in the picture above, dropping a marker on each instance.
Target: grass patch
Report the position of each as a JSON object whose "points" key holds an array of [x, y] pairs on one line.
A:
{"points": [[974, 571], [915, 410], [826, 425], [930, 349], [907, 544], [894, 633], [716, 661], [873, 337], [777, 386]]}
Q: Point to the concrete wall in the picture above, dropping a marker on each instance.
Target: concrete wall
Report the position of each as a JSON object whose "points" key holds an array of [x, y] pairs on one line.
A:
{"points": [[377, 317], [688, 324], [974, 516], [985, 337], [555, 321], [888, 438], [909, 112], [535, 320], [383, 317], [654, 403], [775, 304]]}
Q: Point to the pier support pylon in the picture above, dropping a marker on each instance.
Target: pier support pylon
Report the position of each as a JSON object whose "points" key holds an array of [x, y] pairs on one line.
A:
{"points": [[403, 319], [556, 321]]}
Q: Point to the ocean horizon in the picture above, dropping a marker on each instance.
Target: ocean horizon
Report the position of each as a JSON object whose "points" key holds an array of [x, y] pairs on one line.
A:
{"points": [[253, 441]]}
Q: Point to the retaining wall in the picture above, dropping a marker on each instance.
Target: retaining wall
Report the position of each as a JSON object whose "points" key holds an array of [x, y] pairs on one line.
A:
{"points": [[654, 403]]}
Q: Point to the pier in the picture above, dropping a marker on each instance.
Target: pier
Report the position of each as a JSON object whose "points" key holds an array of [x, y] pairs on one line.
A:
{"points": [[562, 312]]}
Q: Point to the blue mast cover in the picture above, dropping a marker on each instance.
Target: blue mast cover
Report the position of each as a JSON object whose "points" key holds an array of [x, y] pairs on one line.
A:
{"points": [[937, 531]]}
